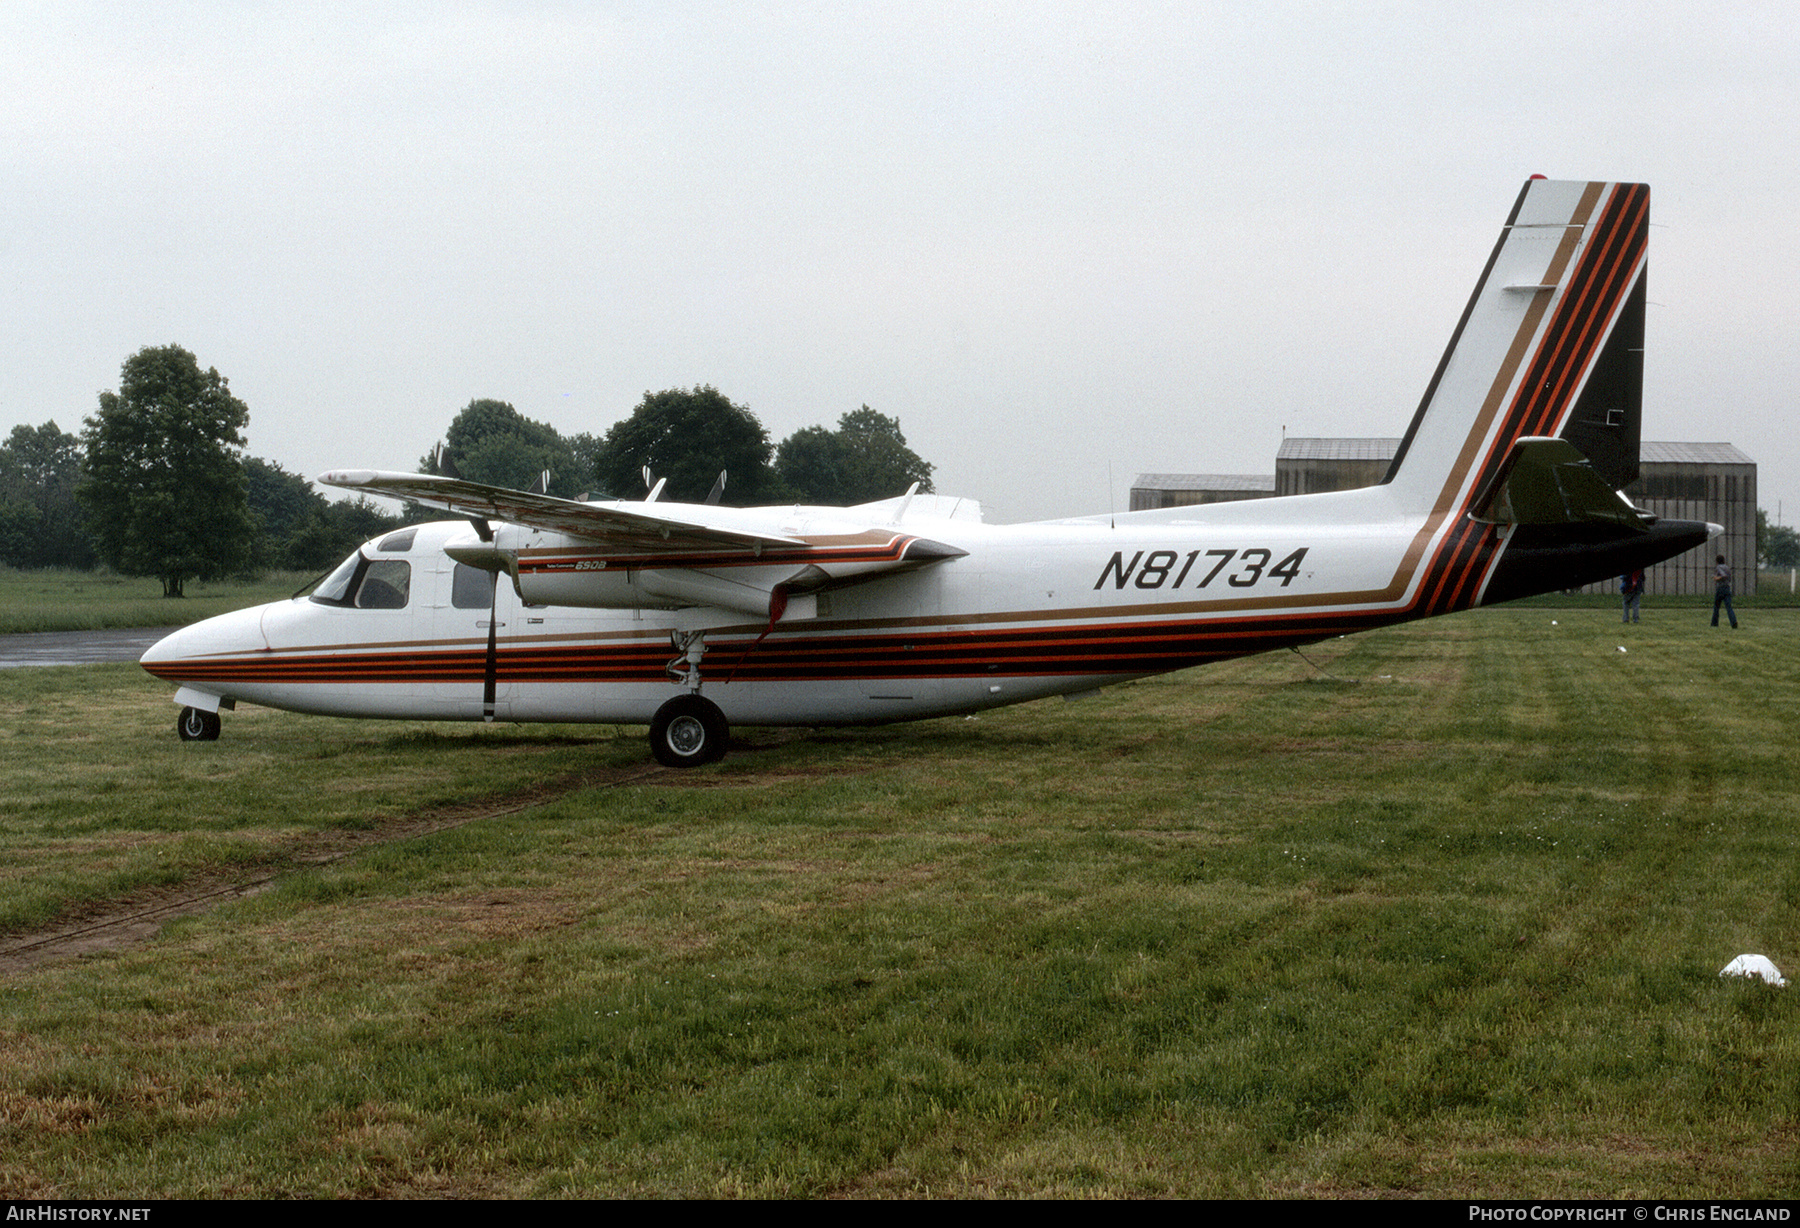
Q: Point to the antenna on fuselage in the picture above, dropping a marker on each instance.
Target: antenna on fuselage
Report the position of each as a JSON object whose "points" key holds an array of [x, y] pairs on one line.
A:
{"points": [[906, 502], [718, 490], [440, 460], [654, 483]]}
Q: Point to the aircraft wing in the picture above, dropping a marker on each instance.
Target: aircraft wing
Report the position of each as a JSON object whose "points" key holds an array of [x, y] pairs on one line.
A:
{"points": [[623, 526], [659, 555]]}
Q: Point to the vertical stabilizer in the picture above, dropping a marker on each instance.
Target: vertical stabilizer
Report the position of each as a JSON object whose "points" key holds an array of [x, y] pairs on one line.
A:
{"points": [[1551, 344]]}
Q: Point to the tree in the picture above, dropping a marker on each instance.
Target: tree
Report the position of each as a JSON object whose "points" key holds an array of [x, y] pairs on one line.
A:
{"points": [[1776, 544], [865, 459], [40, 521], [162, 481], [493, 443], [332, 530], [688, 436], [280, 503]]}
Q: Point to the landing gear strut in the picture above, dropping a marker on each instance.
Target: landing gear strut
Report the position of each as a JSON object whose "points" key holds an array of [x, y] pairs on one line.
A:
{"points": [[684, 670], [688, 731], [197, 725]]}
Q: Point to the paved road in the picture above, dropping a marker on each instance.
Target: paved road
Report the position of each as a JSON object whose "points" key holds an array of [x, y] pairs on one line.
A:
{"points": [[77, 647]]}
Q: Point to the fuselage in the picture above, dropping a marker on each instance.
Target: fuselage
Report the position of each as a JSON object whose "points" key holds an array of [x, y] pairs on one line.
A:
{"points": [[1029, 611], [403, 630]]}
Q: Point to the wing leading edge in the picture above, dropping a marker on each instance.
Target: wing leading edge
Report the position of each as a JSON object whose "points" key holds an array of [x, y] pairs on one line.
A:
{"points": [[621, 526]]}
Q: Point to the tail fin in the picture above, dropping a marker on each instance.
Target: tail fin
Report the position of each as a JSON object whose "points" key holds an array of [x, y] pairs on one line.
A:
{"points": [[1531, 422], [1551, 344]]}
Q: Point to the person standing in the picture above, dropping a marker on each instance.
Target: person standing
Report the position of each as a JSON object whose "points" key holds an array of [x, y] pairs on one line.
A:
{"points": [[1722, 592], [1631, 588]]}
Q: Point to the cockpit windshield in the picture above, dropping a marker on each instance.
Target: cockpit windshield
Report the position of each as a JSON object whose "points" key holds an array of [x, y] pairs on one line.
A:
{"points": [[335, 587]]}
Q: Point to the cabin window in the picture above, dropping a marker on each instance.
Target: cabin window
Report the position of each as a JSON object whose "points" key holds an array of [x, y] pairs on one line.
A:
{"points": [[397, 543], [472, 588], [385, 585]]}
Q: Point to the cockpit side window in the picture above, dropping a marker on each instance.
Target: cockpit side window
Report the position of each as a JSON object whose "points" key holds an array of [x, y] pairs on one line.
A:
{"points": [[385, 585]]}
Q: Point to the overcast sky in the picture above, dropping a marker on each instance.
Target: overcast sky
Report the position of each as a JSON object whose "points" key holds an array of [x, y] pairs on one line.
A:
{"points": [[1062, 243]]}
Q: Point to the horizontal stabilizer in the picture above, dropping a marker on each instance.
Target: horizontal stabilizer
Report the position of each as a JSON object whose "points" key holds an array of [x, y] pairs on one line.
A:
{"points": [[1547, 481]]}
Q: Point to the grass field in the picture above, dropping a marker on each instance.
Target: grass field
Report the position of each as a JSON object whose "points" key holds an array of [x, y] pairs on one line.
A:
{"points": [[58, 600], [1433, 911]]}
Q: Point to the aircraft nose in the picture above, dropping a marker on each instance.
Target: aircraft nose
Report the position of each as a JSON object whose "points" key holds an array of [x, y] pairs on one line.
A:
{"points": [[226, 636], [169, 648]]}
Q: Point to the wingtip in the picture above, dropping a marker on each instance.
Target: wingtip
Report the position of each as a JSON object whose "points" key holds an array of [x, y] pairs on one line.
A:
{"points": [[345, 477]]}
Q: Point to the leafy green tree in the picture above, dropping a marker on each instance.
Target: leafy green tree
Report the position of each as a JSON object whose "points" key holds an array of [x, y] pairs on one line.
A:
{"points": [[1776, 544], [586, 448], [688, 436], [19, 523], [40, 520], [865, 459], [491, 442], [280, 502], [162, 480]]}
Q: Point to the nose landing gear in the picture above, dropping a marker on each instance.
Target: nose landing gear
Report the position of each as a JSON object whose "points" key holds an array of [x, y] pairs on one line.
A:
{"points": [[197, 725]]}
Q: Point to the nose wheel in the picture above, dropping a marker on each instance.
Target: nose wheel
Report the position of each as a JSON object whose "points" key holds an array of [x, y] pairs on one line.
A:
{"points": [[688, 731], [197, 725]]}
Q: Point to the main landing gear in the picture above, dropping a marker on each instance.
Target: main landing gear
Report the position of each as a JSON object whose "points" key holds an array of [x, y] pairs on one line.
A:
{"points": [[688, 730], [197, 725]]}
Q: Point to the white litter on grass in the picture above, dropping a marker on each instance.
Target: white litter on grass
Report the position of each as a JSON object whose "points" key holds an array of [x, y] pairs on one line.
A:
{"points": [[1754, 965], [1553, 622], [1621, 648]]}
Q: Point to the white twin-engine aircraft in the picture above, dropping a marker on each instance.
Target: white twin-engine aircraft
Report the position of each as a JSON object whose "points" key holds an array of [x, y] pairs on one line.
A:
{"points": [[694, 617]]}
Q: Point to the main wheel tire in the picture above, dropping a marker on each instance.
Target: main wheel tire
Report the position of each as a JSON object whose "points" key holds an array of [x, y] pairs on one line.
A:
{"points": [[688, 731], [197, 725]]}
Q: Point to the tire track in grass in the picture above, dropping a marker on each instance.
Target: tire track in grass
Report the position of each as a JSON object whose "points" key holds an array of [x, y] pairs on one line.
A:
{"points": [[136, 918]]}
